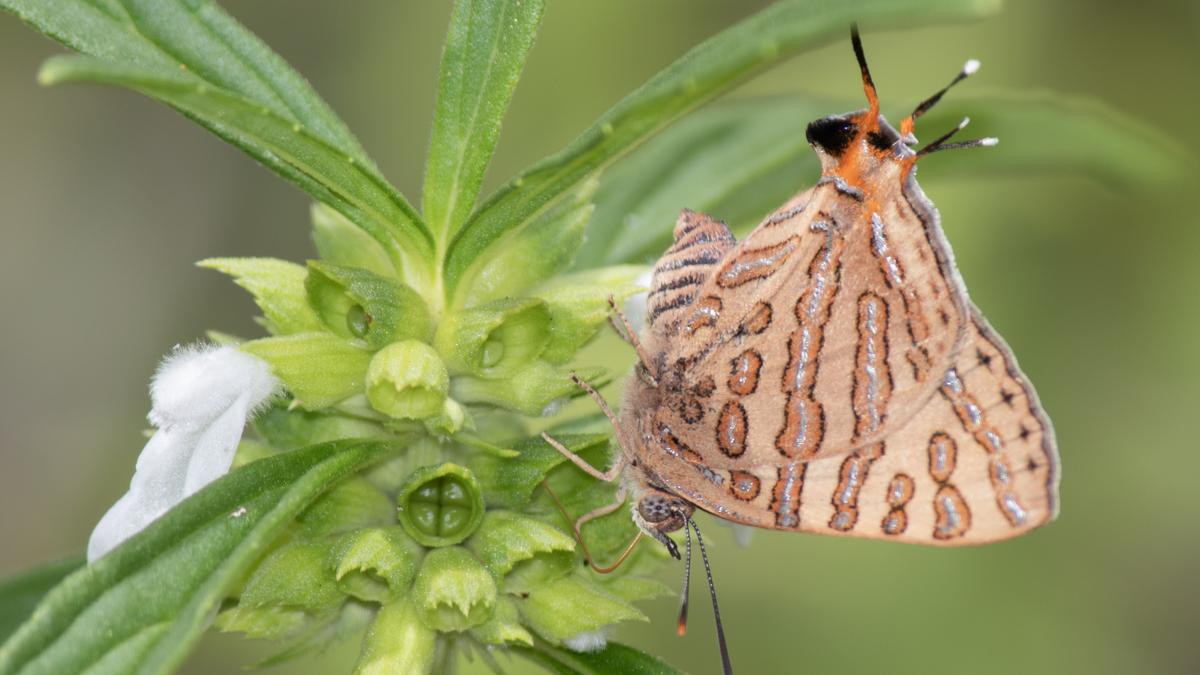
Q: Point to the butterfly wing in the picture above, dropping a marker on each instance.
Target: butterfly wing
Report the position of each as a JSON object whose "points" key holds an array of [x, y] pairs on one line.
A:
{"points": [[823, 331], [977, 464]]}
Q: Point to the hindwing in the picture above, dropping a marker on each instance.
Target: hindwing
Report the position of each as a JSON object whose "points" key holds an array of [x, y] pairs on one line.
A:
{"points": [[978, 463]]}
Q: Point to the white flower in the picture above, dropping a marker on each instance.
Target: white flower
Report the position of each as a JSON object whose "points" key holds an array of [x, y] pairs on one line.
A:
{"points": [[200, 398], [589, 641]]}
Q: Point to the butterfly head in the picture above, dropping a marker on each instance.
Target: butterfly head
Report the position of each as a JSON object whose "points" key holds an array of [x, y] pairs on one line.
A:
{"points": [[658, 512], [861, 147]]}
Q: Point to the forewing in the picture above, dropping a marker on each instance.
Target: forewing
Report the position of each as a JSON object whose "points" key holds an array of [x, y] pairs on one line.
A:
{"points": [[699, 245], [977, 464], [823, 331]]}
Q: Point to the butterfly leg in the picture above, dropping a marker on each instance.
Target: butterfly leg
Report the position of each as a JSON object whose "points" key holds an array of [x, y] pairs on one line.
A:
{"points": [[577, 526], [628, 334], [607, 476]]}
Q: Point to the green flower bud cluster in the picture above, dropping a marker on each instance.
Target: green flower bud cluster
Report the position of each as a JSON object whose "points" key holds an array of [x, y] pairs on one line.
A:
{"points": [[438, 563], [349, 334], [453, 538]]}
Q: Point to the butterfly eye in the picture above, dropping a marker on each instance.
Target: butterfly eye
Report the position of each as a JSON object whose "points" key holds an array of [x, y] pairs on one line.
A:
{"points": [[654, 509], [832, 134]]}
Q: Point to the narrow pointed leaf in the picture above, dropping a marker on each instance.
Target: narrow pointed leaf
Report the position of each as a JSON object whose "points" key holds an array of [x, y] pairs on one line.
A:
{"points": [[713, 67], [481, 62], [283, 146], [193, 34], [20, 594], [142, 607]]}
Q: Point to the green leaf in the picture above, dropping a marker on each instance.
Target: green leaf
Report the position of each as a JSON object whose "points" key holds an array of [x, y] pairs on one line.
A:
{"points": [[20, 594], [142, 607], [615, 659], [510, 482], [278, 290], [482, 60], [318, 368], [713, 67], [578, 305], [286, 147], [341, 242], [531, 254], [195, 35], [537, 389], [563, 608]]}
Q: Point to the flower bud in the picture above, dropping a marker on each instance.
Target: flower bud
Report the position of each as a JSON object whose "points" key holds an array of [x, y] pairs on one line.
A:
{"points": [[407, 380], [496, 339], [355, 303], [376, 564], [521, 551], [453, 591], [397, 642], [440, 505]]}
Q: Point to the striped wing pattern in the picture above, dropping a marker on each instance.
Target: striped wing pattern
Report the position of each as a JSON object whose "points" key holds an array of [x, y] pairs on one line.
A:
{"points": [[823, 331], [977, 464]]}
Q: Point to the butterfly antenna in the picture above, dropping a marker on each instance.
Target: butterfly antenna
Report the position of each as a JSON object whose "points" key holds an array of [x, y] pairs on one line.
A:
{"points": [[868, 83], [906, 125], [687, 584], [726, 665], [940, 142]]}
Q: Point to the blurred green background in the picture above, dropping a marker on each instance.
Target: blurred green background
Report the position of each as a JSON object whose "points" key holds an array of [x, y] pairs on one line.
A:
{"points": [[107, 200]]}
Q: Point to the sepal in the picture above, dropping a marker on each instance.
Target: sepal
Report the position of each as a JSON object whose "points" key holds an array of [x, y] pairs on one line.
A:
{"points": [[278, 290], [520, 551], [567, 607], [453, 590], [358, 304], [318, 368], [376, 564], [494, 340], [398, 642]]}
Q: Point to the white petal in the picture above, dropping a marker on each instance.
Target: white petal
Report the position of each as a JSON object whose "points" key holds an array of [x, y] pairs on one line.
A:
{"points": [[202, 398], [199, 383], [591, 641]]}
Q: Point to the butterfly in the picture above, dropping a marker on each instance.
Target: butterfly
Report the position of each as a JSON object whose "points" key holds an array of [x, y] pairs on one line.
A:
{"points": [[828, 373]]}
